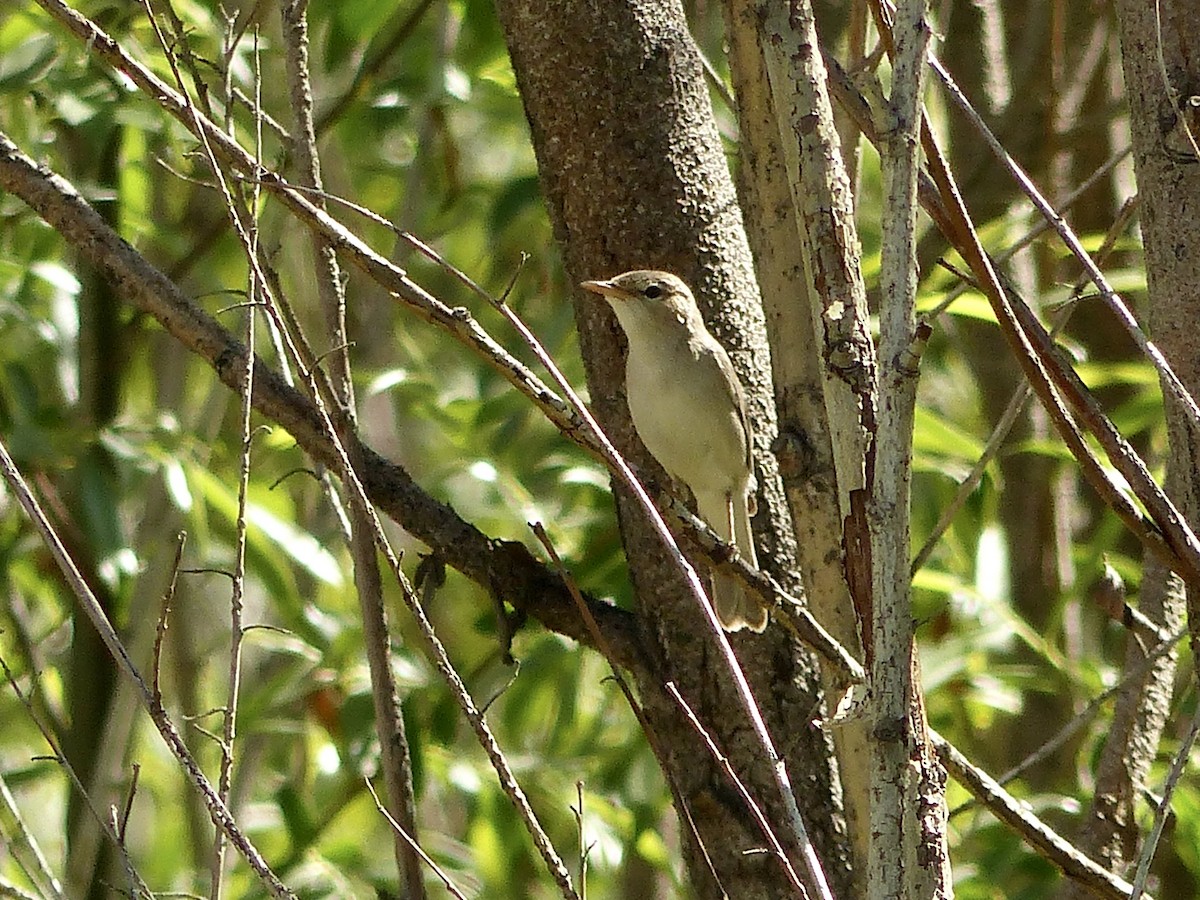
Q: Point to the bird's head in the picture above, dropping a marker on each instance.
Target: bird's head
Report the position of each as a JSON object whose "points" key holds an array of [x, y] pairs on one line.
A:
{"points": [[647, 295]]}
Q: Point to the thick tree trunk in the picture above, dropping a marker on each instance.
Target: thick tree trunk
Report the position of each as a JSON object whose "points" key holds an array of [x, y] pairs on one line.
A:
{"points": [[633, 173]]}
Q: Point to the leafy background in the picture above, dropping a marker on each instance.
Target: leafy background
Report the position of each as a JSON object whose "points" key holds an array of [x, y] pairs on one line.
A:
{"points": [[132, 443]]}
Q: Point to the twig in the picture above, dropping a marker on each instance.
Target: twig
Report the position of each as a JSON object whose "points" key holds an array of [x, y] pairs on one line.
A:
{"points": [[1033, 830], [375, 622], [1172, 538], [180, 48], [61, 759], [755, 810], [127, 809], [120, 825], [303, 418], [1088, 713], [389, 720], [640, 714], [584, 848], [416, 848], [164, 612], [96, 615], [1168, 536], [350, 457], [1178, 764]]}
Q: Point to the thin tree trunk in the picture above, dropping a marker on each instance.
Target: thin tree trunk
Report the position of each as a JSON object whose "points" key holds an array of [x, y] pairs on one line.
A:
{"points": [[1169, 186], [805, 444]]}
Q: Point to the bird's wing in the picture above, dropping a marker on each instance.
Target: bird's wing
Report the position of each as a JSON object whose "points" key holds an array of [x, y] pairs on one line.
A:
{"points": [[734, 391]]}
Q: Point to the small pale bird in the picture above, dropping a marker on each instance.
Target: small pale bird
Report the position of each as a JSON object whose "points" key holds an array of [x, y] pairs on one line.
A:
{"points": [[689, 410]]}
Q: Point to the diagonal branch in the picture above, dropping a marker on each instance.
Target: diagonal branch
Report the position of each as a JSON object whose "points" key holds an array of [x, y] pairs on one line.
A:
{"points": [[1056, 221], [457, 321], [1164, 533], [507, 569], [1037, 833], [96, 615]]}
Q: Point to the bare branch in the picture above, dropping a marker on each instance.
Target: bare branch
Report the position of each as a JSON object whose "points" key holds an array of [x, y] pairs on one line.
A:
{"points": [[416, 848], [507, 568], [639, 713], [1072, 242], [96, 615], [899, 866], [1036, 833], [1178, 764]]}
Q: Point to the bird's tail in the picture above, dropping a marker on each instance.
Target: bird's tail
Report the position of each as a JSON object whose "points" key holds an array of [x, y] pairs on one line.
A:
{"points": [[735, 605]]}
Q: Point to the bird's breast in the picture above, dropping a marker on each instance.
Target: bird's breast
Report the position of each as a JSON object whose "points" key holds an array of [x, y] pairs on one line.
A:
{"points": [[680, 407]]}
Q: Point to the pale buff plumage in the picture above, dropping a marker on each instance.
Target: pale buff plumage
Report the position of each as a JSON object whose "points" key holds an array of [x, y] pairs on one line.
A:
{"points": [[689, 410]]}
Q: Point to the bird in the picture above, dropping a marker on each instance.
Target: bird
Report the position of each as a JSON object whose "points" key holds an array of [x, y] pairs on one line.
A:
{"points": [[689, 410]]}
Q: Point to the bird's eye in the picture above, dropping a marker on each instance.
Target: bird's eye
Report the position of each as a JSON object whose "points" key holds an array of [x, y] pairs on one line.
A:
{"points": [[653, 291]]}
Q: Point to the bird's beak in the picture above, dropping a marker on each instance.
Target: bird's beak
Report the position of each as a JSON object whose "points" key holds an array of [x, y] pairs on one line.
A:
{"points": [[605, 289]]}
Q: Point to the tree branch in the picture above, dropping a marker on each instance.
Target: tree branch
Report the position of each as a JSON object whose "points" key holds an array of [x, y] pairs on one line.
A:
{"points": [[506, 568], [1037, 833]]}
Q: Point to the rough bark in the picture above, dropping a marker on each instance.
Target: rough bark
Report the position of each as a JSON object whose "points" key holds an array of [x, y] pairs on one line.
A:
{"points": [[633, 173], [804, 447], [909, 853]]}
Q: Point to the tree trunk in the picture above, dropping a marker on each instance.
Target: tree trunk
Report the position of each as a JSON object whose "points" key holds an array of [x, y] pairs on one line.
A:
{"points": [[633, 173], [805, 445], [1169, 186]]}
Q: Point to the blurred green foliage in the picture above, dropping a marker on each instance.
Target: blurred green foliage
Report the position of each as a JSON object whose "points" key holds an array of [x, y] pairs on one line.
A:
{"points": [[421, 122]]}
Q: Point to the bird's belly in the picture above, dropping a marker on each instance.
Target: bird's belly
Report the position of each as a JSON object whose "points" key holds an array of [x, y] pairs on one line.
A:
{"points": [[696, 443]]}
